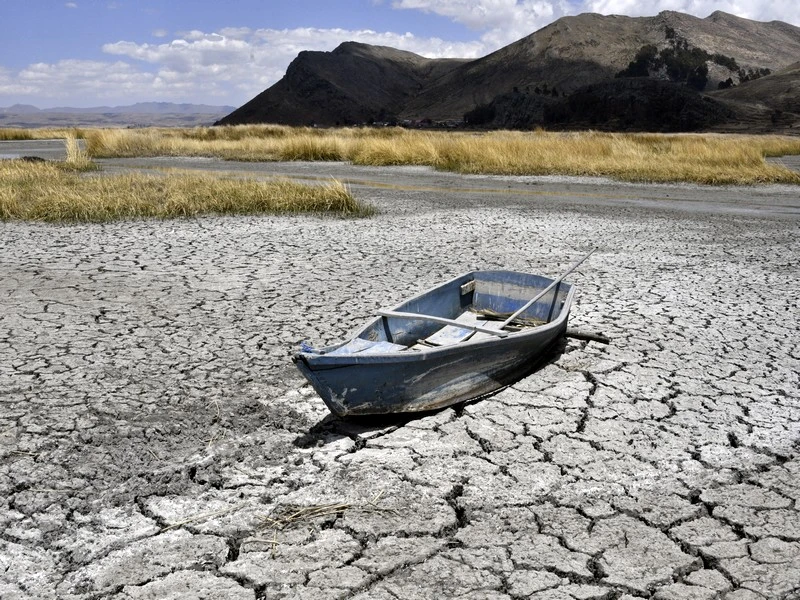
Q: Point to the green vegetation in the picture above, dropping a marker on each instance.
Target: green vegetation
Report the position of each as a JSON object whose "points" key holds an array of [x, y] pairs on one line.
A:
{"points": [[681, 63], [751, 74], [640, 66], [480, 115]]}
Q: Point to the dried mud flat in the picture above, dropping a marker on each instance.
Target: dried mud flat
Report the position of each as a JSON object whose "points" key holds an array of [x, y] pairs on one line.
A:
{"points": [[155, 440]]}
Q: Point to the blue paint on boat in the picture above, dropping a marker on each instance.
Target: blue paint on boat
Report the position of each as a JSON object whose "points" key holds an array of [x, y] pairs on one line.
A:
{"points": [[390, 367]]}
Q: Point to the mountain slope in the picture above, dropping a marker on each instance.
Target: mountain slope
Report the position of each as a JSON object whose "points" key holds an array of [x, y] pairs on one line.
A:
{"points": [[576, 51], [357, 83], [778, 91], [353, 84]]}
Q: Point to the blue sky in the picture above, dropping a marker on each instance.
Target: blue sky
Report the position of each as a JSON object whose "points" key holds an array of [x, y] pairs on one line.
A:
{"points": [[112, 52]]}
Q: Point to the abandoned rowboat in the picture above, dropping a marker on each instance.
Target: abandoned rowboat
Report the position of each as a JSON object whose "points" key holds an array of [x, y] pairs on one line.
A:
{"points": [[465, 338]]}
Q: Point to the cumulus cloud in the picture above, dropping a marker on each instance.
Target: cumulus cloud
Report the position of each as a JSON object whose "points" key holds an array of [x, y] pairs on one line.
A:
{"points": [[10, 85], [499, 22], [228, 66], [73, 82], [248, 60], [233, 64], [500, 19], [504, 21], [83, 78]]}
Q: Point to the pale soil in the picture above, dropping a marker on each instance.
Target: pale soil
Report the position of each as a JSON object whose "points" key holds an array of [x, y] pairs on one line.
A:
{"points": [[150, 418]]}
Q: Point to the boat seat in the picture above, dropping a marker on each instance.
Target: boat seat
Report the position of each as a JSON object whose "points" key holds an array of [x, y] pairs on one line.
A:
{"points": [[452, 334], [489, 324]]}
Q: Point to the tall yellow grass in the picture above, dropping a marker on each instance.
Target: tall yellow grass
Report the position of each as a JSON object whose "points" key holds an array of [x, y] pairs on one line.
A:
{"points": [[44, 133], [77, 158], [49, 192], [708, 159]]}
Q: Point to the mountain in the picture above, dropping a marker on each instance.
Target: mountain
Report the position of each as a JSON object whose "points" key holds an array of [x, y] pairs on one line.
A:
{"points": [[588, 48], [531, 81], [139, 114], [155, 108], [19, 109], [778, 91], [353, 84]]}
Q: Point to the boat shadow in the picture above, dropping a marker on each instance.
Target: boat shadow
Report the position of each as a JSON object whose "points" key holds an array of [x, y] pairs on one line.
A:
{"points": [[362, 428]]}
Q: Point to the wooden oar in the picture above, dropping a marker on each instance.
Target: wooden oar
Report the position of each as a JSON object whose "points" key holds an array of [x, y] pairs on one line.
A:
{"points": [[530, 302], [419, 317], [496, 332], [587, 336]]}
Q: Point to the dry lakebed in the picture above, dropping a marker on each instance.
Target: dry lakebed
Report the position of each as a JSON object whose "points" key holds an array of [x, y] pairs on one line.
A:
{"points": [[157, 442]]}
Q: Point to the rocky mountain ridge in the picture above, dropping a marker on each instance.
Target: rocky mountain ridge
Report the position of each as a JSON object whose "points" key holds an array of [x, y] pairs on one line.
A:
{"points": [[358, 83], [354, 83]]}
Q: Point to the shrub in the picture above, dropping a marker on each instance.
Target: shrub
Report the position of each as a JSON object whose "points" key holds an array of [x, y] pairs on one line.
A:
{"points": [[480, 115]]}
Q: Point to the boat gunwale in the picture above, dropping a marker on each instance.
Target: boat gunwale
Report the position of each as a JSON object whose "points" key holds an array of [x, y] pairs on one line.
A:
{"points": [[322, 359]]}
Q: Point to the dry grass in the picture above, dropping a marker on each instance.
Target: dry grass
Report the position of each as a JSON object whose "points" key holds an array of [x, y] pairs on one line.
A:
{"points": [[44, 133], [284, 517], [708, 159], [627, 157], [77, 158], [55, 193]]}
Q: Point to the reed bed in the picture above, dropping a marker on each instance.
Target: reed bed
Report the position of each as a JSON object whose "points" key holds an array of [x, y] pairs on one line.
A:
{"points": [[77, 159], [44, 133], [52, 192], [706, 159]]}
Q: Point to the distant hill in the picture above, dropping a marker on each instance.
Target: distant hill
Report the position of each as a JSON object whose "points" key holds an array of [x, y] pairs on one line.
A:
{"points": [[139, 114], [20, 109], [530, 82]]}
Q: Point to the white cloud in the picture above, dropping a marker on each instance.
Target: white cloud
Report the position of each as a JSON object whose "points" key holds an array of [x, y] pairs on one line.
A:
{"points": [[248, 61], [758, 10], [71, 5], [76, 80], [698, 8], [231, 65], [12, 87], [504, 21], [488, 14], [186, 56], [225, 67], [778, 10]]}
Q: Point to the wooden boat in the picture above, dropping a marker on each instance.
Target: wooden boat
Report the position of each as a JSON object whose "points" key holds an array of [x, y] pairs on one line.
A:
{"points": [[465, 338]]}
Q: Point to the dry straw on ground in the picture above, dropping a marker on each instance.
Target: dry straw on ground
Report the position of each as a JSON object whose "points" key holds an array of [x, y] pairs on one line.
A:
{"points": [[285, 517], [707, 159]]}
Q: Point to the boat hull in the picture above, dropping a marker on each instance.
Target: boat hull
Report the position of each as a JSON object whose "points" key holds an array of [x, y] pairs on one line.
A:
{"points": [[414, 381]]}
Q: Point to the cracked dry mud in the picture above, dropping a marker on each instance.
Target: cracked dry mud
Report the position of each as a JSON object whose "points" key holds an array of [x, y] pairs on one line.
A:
{"points": [[155, 438]]}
